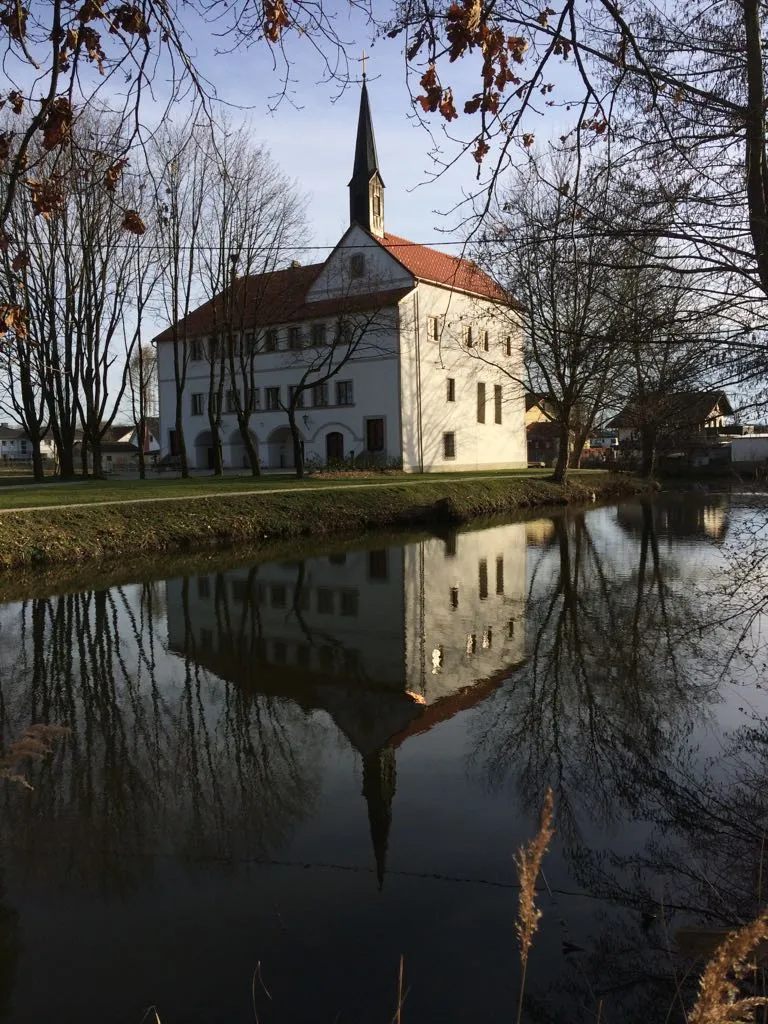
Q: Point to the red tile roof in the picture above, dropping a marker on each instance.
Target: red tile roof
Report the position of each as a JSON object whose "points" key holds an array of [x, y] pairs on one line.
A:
{"points": [[439, 268], [266, 300]]}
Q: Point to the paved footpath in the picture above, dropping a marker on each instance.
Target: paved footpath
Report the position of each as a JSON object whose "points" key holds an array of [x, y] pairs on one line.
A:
{"points": [[257, 493]]}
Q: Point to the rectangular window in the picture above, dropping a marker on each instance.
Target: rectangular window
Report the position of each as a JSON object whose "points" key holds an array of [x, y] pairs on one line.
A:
{"points": [[233, 401], [294, 337], [374, 435], [508, 345], [467, 333], [203, 587], [344, 393], [255, 399], [454, 594], [449, 446], [295, 397], [320, 396], [270, 340], [378, 568], [273, 398], [325, 601], [486, 341], [357, 265], [318, 335], [500, 575], [482, 579], [497, 402], [198, 405], [451, 390], [349, 601], [481, 403], [433, 328], [213, 348], [249, 343], [213, 404], [196, 350]]}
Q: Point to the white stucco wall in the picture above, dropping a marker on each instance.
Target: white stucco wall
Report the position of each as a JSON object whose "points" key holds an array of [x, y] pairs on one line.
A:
{"points": [[427, 365], [373, 371]]}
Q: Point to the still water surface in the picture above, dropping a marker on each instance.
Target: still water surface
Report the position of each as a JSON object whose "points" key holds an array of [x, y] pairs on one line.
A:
{"points": [[318, 766]]}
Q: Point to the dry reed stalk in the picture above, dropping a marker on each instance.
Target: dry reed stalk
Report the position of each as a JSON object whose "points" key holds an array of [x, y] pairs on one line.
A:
{"points": [[528, 861], [718, 1001]]}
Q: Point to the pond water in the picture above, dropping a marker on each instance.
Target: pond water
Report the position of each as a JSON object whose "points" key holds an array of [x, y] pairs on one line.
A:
{"points": [[280, 778]]}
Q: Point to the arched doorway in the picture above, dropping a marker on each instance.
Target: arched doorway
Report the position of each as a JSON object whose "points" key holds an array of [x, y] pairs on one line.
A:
{"points": [[280, 449], [334, 447], [204, 450], [238, 454]]}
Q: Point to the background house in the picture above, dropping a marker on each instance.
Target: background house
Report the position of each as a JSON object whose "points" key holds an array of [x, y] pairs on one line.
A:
{"points": [[681, 415]]}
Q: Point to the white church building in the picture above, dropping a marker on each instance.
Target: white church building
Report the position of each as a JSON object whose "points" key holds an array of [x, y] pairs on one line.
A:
{"points": [[418, 355]]}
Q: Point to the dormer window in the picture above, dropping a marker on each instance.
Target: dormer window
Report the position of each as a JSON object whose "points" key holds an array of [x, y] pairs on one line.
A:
{"points": [[357, 264]]}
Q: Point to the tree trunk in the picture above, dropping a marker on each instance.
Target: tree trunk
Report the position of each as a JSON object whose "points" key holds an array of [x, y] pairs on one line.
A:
{"points": [[561, 466], [298, 454], [180, 440], [250, 448], [37, 461], [218, 461], [98, 466], [649, 447], [66, 461], [84, 457], [141, 431], [574, 459]]}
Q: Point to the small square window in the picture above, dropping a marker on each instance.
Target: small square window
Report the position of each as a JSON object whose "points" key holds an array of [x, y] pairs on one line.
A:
{"points": [[449, 445], [451, 390], [357, 264]]}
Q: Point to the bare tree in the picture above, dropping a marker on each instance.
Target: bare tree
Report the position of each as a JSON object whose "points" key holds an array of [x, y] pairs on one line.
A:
{"points": [[255, 219], [142, 382]]}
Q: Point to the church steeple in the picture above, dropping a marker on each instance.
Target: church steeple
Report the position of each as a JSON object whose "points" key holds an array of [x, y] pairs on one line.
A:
{"points": [[366, 189], [379, 781]]}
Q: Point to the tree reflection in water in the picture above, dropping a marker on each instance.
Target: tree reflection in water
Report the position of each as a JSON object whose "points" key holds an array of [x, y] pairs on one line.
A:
{"points": [[157, 761], [625, 668]]}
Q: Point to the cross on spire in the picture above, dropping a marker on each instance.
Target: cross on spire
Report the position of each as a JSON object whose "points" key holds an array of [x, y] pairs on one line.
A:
{"points": [[363, 59]]}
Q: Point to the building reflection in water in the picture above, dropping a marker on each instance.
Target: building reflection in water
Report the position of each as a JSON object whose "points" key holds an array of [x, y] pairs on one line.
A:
{"points": [[387, 642]]}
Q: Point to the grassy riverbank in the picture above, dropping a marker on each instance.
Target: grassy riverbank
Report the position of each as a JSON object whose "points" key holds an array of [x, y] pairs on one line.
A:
{"points": [[92, 531]]}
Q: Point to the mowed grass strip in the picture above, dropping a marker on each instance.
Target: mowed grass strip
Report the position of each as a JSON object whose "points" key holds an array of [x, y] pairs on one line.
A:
{"points": [[85, 492], [83, 533]]}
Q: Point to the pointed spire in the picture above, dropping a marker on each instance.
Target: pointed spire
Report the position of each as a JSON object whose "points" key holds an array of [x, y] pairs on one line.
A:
{"points": [[366, 189], [379, 781]]}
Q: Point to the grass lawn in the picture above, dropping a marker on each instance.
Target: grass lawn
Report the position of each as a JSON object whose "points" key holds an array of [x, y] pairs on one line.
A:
{"points": [[84, 492]]}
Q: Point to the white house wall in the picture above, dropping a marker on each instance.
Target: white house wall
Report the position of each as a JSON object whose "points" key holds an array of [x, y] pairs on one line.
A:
{"points": [[427, 366], [375, 378], [464, 609]]}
